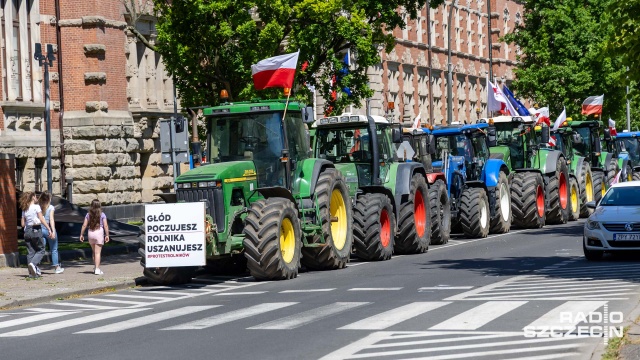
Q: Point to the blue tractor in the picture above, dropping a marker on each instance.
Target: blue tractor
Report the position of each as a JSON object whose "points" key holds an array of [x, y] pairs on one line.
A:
{"points": [[477, 184], [628, 147]]}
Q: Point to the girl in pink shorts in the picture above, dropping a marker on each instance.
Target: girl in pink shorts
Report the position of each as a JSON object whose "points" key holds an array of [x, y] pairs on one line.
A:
{"points": [[98, 232]]}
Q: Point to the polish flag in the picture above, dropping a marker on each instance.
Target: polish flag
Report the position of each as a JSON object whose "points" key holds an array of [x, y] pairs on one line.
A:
{"points": [[562, 118], [592, 105], [617, 178], [542, 116], [497, 101], [612, 128], [277, 71], [416, 122]]}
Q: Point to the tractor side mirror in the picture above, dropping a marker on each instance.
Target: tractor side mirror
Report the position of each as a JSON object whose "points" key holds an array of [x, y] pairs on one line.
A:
{"points": [[544, 135], [431, 147], [396, 134], [308, 116], [607, 135], [598, 146], [492, 139], [577, 139]]}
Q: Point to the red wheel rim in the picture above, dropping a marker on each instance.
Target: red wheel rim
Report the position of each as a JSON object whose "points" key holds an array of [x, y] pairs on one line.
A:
{"points": [[419, 213], [540, 201], [562, 188], [385, 228]]}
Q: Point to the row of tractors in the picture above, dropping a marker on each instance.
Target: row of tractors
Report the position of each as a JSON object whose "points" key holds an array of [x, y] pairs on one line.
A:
{"points": [[276, 201]]}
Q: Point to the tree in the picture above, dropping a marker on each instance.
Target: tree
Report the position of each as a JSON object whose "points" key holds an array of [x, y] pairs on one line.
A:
{"points": [[563, 56], [625, 37], [210, 45]]}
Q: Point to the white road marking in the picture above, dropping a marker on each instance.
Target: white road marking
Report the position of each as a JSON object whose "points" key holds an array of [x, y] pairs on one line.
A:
{"points": [[145, 320], [478, 316], [38, 309], [72, 322], [555, 319], [297, 320], [230, 316], [85, 306], [305, 291], [376, 289], [445, 287], [176, 293], [138, 296], [565, 290], [33, 318], [241, 293], [394, 316], [116, 301]]}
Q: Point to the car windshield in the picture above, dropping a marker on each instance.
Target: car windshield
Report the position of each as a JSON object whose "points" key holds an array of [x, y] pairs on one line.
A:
{"points": [[622, 196]]}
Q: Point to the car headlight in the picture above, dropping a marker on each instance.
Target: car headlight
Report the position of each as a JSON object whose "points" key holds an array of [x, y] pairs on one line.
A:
{"points": [[593, 225]]}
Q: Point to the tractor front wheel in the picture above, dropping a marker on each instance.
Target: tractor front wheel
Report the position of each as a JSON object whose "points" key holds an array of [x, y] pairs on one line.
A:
{"points": [[272, 239], [474, 213], [501, 221], [527, 200], [557, 194], [574, 200], [414, 228], [373, 227], [612, 171], [636, 176], [586, 190], [598, 185], [440, 213], [336, 219]]}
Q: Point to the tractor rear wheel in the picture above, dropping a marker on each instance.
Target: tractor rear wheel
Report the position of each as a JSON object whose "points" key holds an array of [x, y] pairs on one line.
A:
{"points": [[612, 171], [527, 200], [636, 176], [414, 223], [501, 221], [557, 194], [165, 275], [336, 219], [373, 227], [440, 213], [574, 200], [272, 239], [586, 190], [628, 176], [474, 213], [598, 185]]}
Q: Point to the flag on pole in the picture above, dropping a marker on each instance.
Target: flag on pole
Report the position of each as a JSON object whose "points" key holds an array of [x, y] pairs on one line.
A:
{"points": [[416, 122], [277, 71], [592, 105], [562, 118], [541, 116], [617, 178], [515, 103], [497, 101], [612, 127]]}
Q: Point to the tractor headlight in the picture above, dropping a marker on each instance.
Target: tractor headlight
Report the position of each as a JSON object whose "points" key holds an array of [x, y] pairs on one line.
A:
{"points": [[593, 225]]}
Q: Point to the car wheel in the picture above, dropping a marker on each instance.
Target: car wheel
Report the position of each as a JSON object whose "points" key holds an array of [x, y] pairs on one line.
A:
{"points": [[592, 255]]}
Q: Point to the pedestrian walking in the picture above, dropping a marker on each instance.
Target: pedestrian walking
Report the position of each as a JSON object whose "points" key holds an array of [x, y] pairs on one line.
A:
{"points": [[33, 222], [51, 237], [98, 232]]}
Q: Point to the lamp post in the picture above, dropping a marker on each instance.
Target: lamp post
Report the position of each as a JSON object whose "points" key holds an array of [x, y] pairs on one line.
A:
{"points": [[46, 61], [449, 67]]}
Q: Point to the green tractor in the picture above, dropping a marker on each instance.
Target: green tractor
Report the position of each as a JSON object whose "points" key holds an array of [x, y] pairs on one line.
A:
{"points": [[269, 205], [391, 199], [539, 177]]}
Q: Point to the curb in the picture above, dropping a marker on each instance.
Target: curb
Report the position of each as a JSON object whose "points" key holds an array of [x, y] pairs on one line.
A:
{"points": [[53, 297]]}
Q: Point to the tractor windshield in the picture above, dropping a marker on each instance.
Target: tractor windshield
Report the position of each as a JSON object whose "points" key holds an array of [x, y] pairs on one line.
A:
{"points": [[508, 134], [456, 145], [349, 145], [562, 143], [583, 141], [631, 146]]}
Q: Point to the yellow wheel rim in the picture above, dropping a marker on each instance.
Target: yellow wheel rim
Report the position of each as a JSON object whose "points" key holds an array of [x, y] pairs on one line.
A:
{"points": [[629, 177], [287, 240], [603, 191], [589, 188], [574, 198], [338, 210]]}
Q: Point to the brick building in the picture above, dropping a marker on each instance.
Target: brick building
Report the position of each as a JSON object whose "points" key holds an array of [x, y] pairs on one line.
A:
{"points": [[108, 92], [414, 74]]}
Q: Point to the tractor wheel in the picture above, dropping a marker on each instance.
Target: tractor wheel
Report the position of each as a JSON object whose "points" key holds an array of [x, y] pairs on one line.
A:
{"points": [[598, 185], [165, 275], [574, 200], [586, 190], [501, 221], [440, 213], [414, 223], [474, 213], [373, 227], [527, 200], [336, 219], [272, 239], [628, 175], [557, 194], [612, 171], [636, 176]]}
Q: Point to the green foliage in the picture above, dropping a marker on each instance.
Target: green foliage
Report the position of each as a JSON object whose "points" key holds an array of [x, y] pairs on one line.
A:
{"points": [[210, 45], [564, 58]]}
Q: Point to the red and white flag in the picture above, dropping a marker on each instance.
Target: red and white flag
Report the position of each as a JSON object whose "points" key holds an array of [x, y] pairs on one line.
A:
{"points": [[617, 178], [552, 141], [542, 116], [562, 118], [592, 105], [612, 128], [497, 101], [277, 71]]}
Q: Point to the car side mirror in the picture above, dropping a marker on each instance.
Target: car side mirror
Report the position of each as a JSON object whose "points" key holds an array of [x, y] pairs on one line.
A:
{"points": [[431, 148], [491, 137], [591, 204], [396, 134], [544, 134]]}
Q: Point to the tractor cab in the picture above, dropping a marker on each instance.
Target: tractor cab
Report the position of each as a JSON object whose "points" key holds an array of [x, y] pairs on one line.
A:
{"points": [[516, 139], [588, 141], [629, 142], [423, 145], [468, 145]]}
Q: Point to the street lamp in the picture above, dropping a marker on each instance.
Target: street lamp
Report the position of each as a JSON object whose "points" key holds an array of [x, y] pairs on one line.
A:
{"points": [[46, 61], [449, 67]]}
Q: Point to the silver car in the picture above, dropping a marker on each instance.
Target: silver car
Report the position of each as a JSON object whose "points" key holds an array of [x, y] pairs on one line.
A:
{"points": [[615, 223]]}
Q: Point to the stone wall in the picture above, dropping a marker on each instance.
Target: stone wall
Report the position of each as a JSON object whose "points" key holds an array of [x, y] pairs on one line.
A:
{"points": [[8, 226]]}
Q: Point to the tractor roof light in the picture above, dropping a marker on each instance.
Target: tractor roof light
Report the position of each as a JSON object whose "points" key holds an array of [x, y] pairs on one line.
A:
{"points": [[354, 118], [537, 128], [344, 119], [224, 95], [491, 122], [565, 123]]}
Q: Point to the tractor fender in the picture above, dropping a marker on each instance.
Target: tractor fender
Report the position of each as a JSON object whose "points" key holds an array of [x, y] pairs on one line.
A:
{"points": [[551, 162], [579, 163], [379, 189], [277, 191], [318, 167], [404, 173], [491, 171], [433, 177]]}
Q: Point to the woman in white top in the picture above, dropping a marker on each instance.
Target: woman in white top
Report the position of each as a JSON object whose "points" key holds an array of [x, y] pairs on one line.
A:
{"points": [[52, 238], [33, 221]]}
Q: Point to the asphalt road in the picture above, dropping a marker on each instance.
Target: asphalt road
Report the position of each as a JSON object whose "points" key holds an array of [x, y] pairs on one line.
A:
{"points": [[469, 299]]}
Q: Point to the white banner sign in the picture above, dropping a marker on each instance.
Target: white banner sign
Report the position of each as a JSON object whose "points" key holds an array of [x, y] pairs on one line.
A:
{"points": [[174, 235]]}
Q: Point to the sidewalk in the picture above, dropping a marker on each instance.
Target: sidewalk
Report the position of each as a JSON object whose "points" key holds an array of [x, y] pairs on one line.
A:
{"points": [[17, 289]]}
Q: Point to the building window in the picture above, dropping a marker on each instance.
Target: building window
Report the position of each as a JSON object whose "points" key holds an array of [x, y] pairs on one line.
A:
{"points": [[17, 50]]}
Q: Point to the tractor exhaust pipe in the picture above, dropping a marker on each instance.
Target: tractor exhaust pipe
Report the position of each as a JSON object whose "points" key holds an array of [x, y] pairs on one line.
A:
{"points": [[195, 141]]}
